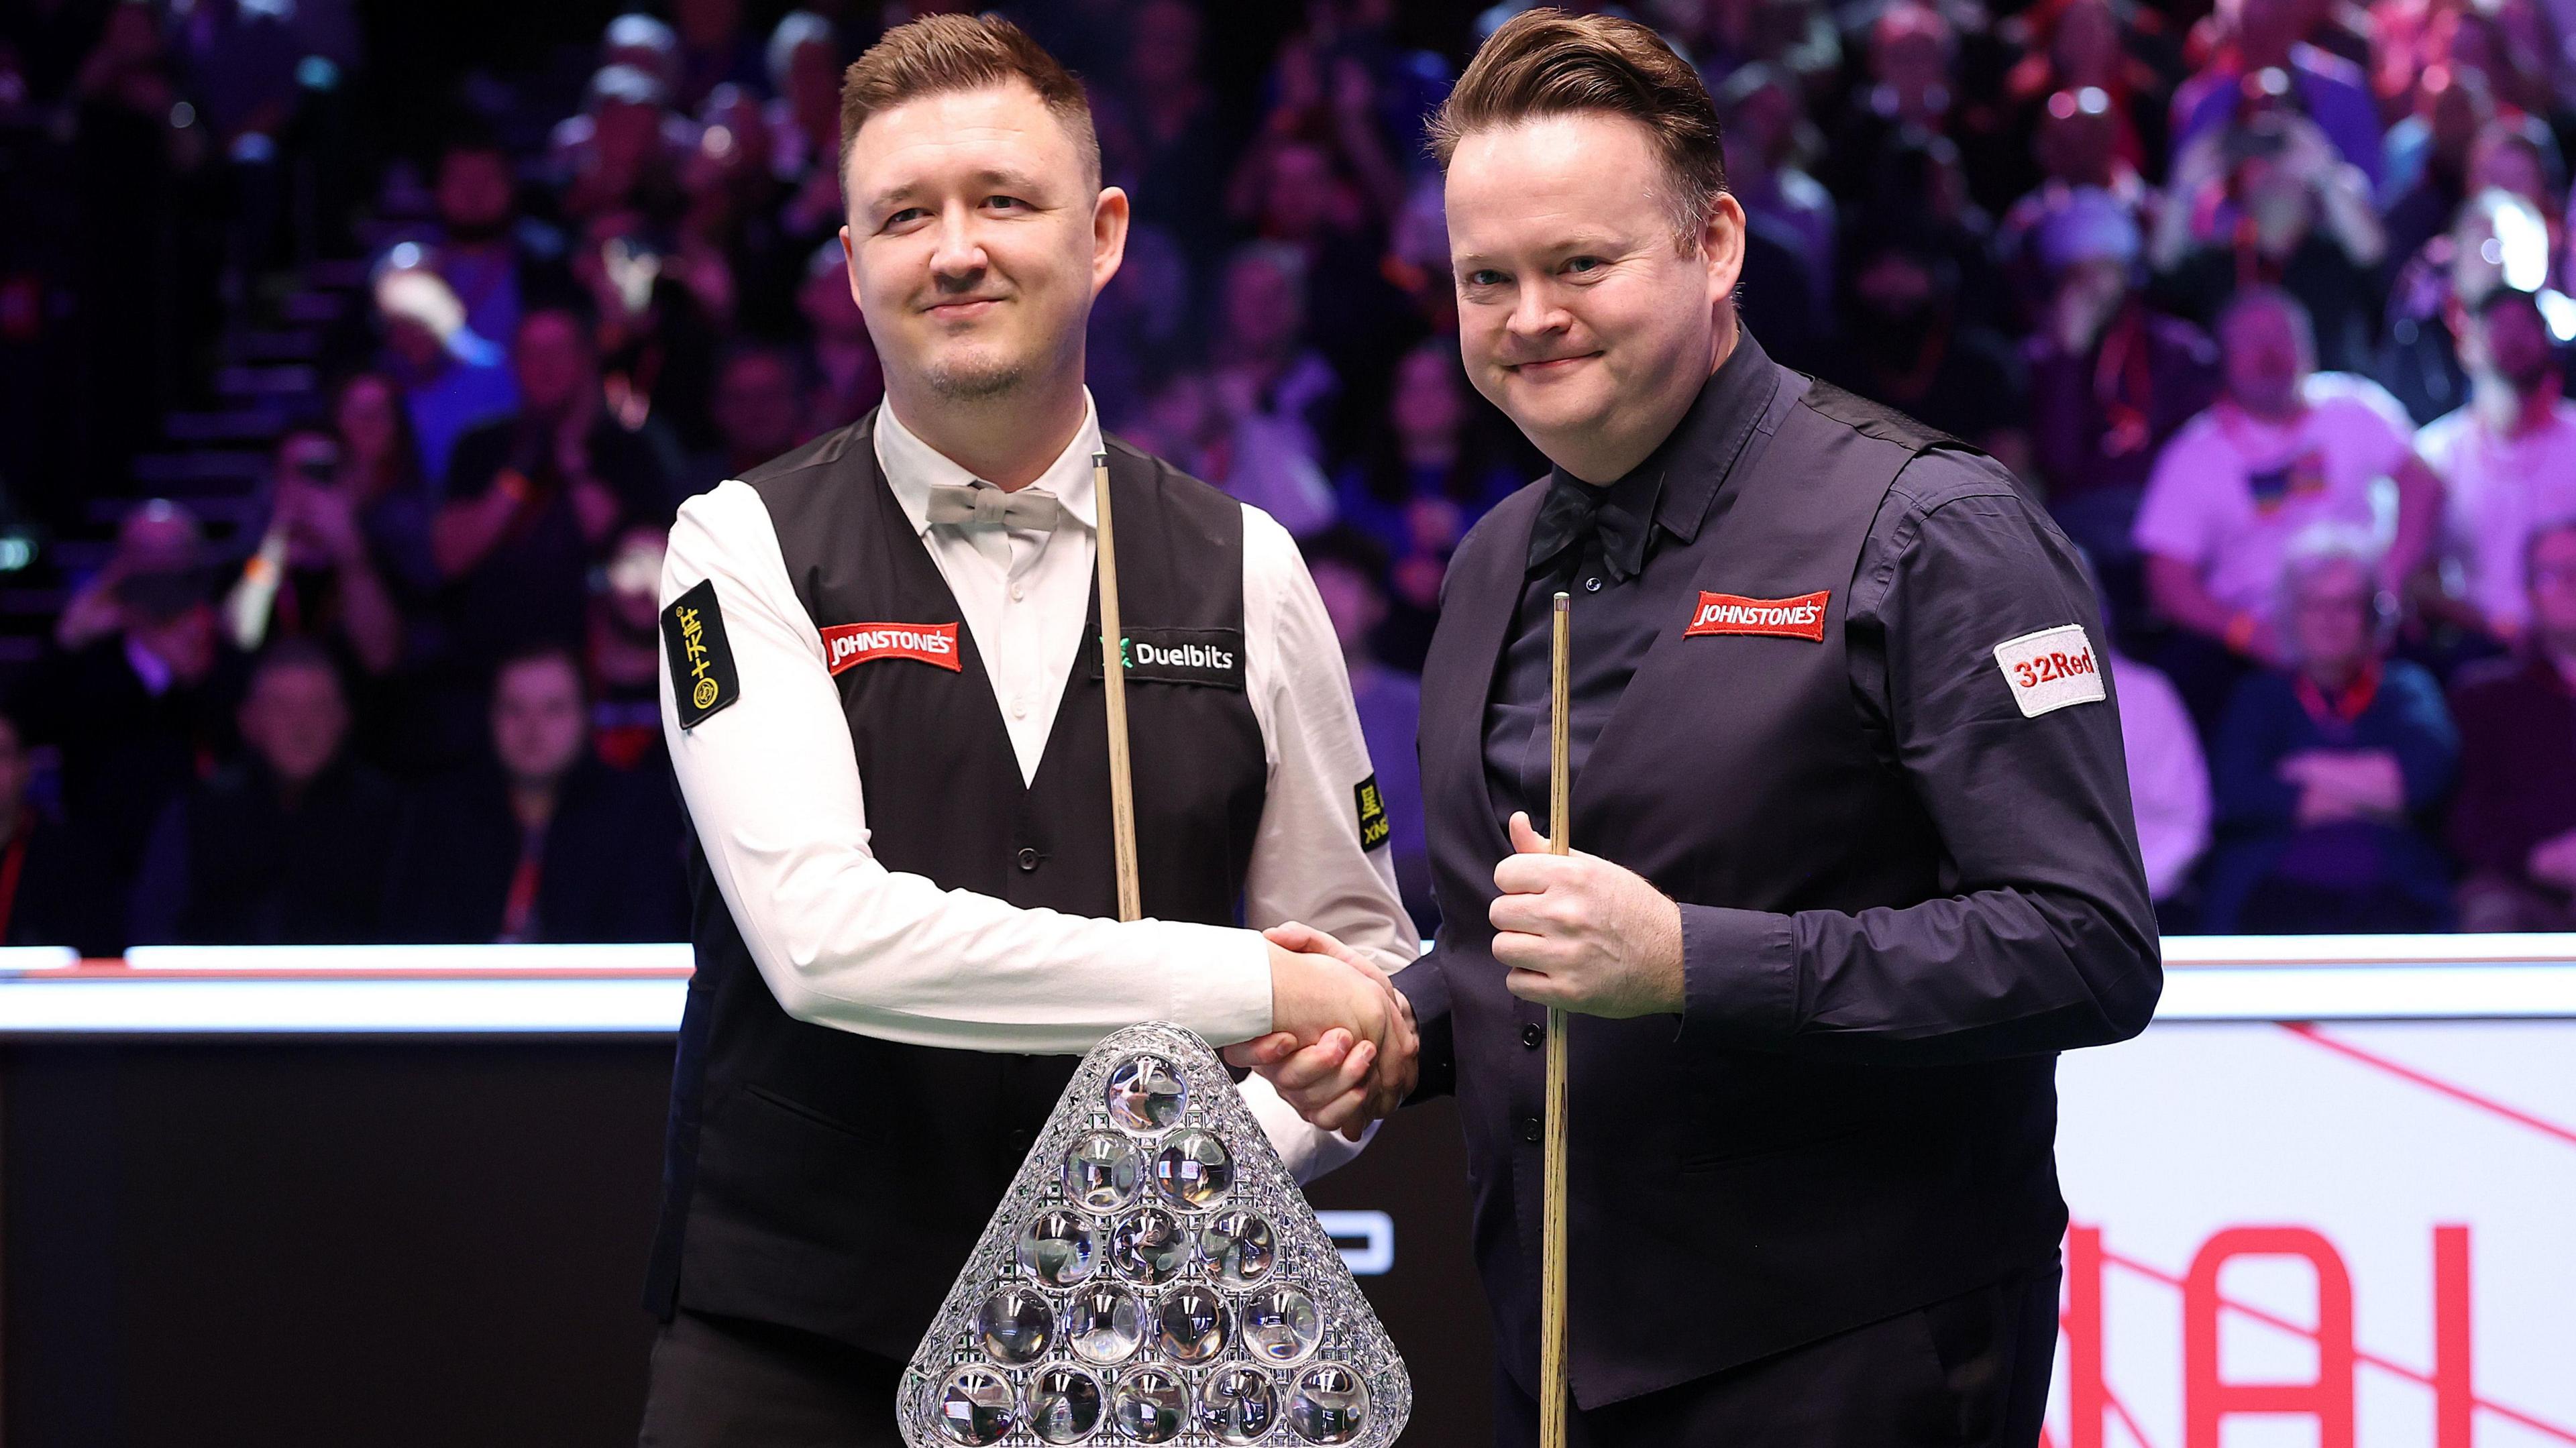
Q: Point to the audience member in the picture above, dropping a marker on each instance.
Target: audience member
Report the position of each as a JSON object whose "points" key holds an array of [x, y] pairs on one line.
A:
{"points": [[1260, 361], [2268, 202], [2513, 826], [840, 355], [1214, 430], [134, 716], [39, 891], [2497, 239], [653, 336], [2515, 818], [2263, 36], [2168, 780], [284, 846], [2508, 457], [1909, 345], [2110, 380], [1768, 143], [1347, 567], [2326, 770], [760, 410], [624, 653], [531, 496], [315, 574], [497, 265], [546, 844], [1427, 473], [2285, 448], [451, 377]]}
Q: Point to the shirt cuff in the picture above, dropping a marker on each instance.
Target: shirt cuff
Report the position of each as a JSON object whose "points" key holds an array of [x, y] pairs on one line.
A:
{"points": [[1220, 980], [1739, 975]]}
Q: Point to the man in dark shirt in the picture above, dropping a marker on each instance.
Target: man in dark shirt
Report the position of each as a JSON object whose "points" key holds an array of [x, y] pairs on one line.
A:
{"points": [[284, 846], [2513, 824], [137, 716], [532, 496], [1855, 856], [552, 846]]}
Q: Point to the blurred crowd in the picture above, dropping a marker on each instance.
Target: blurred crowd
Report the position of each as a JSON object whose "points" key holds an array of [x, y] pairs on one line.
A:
{"points": [[2266, 302]]}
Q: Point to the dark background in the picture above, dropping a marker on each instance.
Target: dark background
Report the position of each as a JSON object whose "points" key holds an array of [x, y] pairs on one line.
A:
{"points": [[324, 1245]]}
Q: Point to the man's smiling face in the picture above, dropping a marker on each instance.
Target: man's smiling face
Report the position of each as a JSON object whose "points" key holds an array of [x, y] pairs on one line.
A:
{"points": [[1579, 316], [972, 237]]}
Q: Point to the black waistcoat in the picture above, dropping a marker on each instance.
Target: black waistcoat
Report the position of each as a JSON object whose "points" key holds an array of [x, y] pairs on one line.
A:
{"points": [[836, 1182], [1725, 1203]]}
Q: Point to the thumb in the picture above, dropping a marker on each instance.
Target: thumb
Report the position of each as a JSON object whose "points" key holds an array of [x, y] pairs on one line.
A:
{"points": [[1525, 837]]}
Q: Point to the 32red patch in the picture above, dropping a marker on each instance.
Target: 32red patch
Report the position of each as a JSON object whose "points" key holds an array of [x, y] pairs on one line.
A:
{"points": [[848, 645], [1789, 618]]}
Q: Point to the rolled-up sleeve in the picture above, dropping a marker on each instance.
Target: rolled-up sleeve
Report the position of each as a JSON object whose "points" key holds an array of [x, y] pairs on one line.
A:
{"points": [[2045, 939]]}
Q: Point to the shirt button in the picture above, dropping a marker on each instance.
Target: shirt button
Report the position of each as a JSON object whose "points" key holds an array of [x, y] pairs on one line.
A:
{"points": [[1028, 858], [1019, 709], [1017, 593], [1592, 585], [1533, 1130], [1533, 1036]]}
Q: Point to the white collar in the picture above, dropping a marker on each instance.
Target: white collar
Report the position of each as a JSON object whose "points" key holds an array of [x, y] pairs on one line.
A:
{"points": [[913, 467]]}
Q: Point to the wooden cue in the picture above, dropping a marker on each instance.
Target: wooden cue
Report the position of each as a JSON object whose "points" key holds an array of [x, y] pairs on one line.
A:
{"points": [[1554, 1391], [1113, 683]]}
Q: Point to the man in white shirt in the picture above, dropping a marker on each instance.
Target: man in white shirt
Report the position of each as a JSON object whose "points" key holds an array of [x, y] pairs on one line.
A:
{"points": [[885, 710], [2285, 448], [2508, 457]]}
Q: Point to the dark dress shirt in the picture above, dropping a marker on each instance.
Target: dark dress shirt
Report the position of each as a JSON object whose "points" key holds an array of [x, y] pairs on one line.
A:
{"points": [[1947, 556]]}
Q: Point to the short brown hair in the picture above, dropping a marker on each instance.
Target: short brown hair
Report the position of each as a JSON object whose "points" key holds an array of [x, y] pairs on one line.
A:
{"points": [[1545, 62], [939, 53]]}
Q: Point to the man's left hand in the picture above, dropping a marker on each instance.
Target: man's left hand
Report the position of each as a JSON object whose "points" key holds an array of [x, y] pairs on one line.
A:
{"points": [[1583, 933]]}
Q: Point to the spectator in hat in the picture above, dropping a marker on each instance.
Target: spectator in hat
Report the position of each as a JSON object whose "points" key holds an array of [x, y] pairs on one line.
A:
{"points": [[286, 844], [2110, 379], [451, 376]]}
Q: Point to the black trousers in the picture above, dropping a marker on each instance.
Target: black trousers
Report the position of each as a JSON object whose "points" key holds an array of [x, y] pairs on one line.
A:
{"points": [[1968, 1372], [722, 1382]]}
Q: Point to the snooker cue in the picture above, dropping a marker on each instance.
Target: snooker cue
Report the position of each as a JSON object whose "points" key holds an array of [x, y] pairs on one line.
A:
{"points": [[1553, 1389], [1113, 683]]}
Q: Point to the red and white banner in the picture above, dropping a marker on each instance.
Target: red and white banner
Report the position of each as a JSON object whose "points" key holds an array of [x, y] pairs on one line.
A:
{"points": [[2346, 1235]]}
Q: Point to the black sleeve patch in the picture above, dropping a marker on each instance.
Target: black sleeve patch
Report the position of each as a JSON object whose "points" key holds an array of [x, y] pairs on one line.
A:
{"points": [[1374, 829], [703, 678], [1210, 657]]}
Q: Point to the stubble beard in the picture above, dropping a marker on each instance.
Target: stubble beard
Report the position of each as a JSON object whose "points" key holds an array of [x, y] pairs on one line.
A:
{"points": [[978, 379]]}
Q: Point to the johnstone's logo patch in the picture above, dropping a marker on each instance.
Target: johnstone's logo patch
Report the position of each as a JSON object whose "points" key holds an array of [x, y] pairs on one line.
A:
{"points": [[848, 645], [1212, 657], [1788, 618]]}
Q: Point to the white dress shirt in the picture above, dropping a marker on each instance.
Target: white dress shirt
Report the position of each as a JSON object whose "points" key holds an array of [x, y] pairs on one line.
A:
{"points": [[775, 795]]}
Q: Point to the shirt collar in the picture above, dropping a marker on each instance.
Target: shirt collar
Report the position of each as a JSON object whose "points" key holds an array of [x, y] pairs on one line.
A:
{"points": [[913, 467], [1677, 481]]}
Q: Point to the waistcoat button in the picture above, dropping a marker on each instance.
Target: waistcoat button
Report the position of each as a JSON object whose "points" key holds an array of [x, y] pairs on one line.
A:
{"points": [[1533, 1130], [1533, 1036], [1028, 858]]}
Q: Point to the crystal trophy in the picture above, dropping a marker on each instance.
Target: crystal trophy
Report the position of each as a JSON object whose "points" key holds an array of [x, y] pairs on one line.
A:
{"points": [[1154, 1276]]}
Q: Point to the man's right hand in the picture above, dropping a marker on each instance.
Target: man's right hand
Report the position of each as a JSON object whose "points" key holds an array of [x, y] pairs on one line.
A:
{"points": [[1342, 1049]]}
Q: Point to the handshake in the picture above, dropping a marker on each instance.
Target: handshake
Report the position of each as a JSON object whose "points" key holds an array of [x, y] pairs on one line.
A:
{"points": [[1342, 1048], [1573, 931]]}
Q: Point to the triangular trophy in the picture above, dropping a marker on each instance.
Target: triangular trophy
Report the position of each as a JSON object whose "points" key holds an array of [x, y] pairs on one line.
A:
{"points": [[1154, 1276]]}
